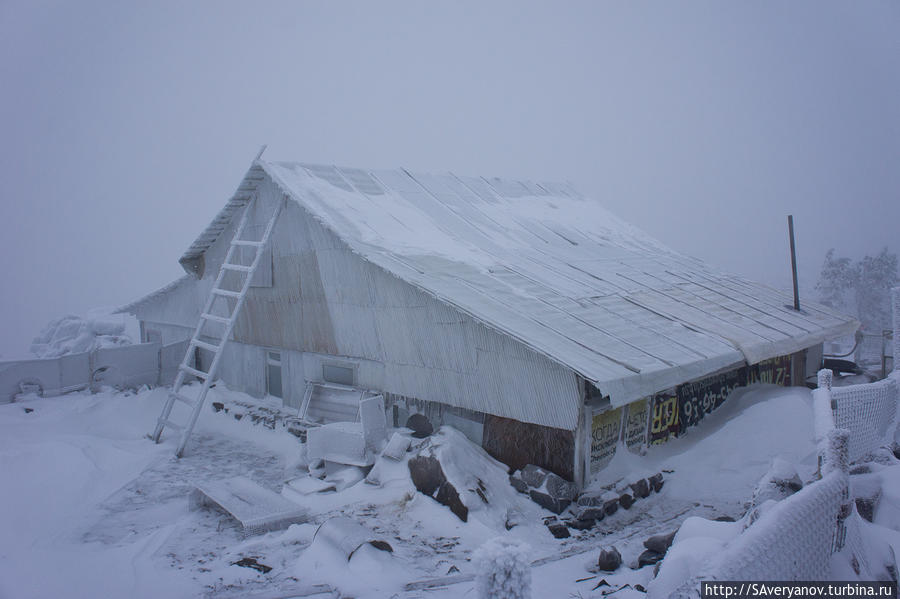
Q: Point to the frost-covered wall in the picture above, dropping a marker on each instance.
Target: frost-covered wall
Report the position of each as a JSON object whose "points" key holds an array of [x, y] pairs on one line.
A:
{"points": [[327, 303]]}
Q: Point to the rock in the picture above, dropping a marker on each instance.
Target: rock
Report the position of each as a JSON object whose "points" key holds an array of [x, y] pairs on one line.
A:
{"points": [[641, 488], [660, 543], [533, 476], [581, 523], [429, 479], [586, 512], [557, 506], [656, 482], [558, 530], [420, 426], [447, 495], [626, 500], [590, 499], [218, 406], [298, 432], [895, 449], [609, 560], [426, 474], [560, 488], [610, 506], [28, 410], [518, 484], [648, 558]]}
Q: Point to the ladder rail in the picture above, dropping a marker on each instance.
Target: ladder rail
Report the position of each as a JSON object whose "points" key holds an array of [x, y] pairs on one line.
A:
{"points": [[213, 368], [195, 342]]}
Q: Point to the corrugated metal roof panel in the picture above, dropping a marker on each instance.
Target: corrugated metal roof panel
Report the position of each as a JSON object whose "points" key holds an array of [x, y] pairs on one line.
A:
{"points": [[553, 270]]}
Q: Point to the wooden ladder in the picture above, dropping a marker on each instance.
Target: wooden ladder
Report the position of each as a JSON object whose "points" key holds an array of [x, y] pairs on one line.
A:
{"points": [[218, 292]]}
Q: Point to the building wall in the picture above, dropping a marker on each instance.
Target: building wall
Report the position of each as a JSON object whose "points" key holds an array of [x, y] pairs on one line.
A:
{"points": [[327, 303]]}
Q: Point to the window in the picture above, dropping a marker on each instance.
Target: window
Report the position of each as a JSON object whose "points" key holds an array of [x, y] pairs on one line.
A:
{"points": [[342, 375], [273, 374]]}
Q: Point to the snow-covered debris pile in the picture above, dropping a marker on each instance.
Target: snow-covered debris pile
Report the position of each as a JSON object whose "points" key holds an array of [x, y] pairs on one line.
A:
{"points": [[457, 473], [545, 488], [74, 334], [504, 570]]}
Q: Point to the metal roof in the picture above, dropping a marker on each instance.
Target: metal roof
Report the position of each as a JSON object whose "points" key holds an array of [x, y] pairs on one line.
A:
{"points": [[552, 269]]}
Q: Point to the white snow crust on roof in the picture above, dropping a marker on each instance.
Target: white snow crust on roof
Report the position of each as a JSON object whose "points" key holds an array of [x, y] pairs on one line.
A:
{"points": [[556, 271]]}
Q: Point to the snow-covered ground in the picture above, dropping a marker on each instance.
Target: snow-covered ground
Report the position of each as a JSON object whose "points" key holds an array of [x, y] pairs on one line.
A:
{"points": [[90, 507]]}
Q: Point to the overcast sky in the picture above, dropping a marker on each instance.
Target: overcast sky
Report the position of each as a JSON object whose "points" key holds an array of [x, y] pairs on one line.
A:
{"points": [[125, 126]]}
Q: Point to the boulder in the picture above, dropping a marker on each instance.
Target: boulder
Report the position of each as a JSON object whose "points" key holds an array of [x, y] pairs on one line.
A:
{"points": [[581, 523], [660, 543], [518, 484], [656, 482], [548, 502], [626, 500], [429, 479], [609, 559], [533, 476], [610, 506], [641, 488], [588, 512], [420, 426], [648, 558], [558, 530]]}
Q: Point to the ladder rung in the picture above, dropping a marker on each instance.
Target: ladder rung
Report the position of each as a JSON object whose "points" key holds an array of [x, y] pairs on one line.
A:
{"points": [[197, 373], [215, 318], [255, 244], [237, 267], [170, 424], [182, 399], [226, 292], [205, 345]]}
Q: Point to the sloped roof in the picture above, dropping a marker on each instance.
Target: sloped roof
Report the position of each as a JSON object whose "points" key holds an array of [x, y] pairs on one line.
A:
{"points": [[552, 269]]}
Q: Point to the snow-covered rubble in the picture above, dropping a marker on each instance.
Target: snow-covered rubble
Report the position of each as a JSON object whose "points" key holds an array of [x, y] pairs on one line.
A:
{"points": [[106, 511], [76, 334]]}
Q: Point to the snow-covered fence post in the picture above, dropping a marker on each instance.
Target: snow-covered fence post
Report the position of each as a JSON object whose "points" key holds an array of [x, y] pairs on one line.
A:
{"points": [[504, 570], [824, 378], [895, 310]]}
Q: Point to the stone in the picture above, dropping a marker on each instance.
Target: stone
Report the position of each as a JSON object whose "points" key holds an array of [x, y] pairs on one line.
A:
{"points": [[559, 530], [660, 543], [590, 499], [656, 482], [588, 512], [581, 523], [560, 488], [610, 506], [518, 484], [649, 557], [609, 559], [557, 506], [28, 410], [218, 406], [448, 495], [533, 476], [426, 474], [420, 426], [626, 500], [429, 479], [641, 488]]}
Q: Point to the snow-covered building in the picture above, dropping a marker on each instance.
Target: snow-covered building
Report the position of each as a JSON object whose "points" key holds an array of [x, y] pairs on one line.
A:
{"points": [[524, 314]]}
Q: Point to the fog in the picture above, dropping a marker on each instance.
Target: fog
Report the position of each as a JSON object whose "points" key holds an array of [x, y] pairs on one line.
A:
{"points": [[124, 127]]}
